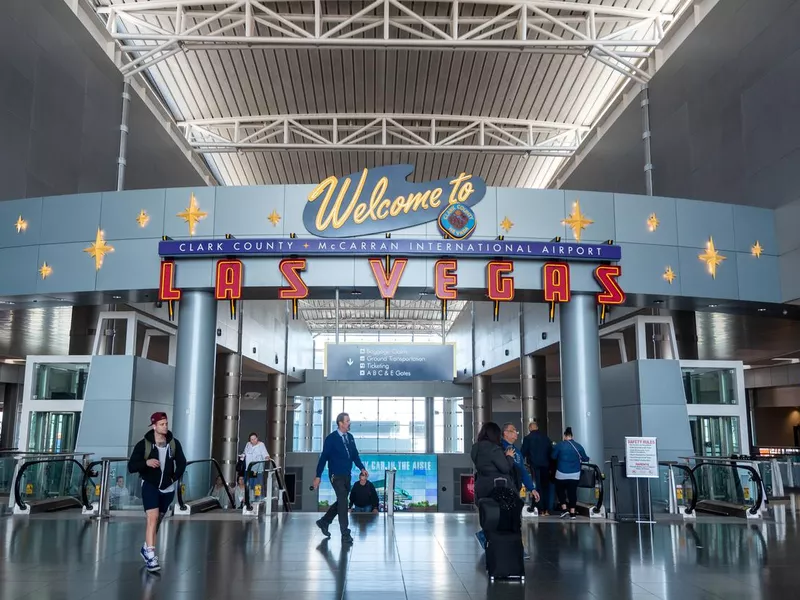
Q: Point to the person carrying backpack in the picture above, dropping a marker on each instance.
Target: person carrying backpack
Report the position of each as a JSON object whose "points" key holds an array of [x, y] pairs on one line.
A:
{"points": [[160, 462]]}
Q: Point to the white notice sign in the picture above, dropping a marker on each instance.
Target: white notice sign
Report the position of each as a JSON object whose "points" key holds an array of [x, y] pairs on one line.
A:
{"points": [[641, 457]]}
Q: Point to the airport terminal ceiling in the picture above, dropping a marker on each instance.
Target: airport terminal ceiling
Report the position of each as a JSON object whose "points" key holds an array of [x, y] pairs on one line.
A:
{"points": [[506, 90]]}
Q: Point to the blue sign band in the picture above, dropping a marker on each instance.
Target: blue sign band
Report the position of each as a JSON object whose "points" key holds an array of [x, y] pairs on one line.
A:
{"points": [[394, 246], [389, 362]]}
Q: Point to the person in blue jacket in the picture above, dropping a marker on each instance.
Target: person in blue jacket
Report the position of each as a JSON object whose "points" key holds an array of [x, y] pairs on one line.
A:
{"points": [[340, 452], [568, 455], [510, 435]]}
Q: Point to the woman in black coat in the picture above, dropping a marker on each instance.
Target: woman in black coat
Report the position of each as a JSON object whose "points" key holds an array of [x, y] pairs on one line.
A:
{"points": [[491, 463]]}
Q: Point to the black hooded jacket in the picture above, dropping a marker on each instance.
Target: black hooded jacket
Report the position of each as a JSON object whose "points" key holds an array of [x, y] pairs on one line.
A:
{"points": [[173, 469]]}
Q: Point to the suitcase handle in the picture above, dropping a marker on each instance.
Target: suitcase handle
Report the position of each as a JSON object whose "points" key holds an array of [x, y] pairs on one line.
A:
{"points": [[503, 479]]}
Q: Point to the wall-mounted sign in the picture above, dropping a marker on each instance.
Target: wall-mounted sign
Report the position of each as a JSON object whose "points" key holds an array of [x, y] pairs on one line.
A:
{"points": [[405, 247], [382, 199], [389, 362], [641, 457]]}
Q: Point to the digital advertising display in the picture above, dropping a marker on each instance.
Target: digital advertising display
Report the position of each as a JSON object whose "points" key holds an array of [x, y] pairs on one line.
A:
{"points": [[416, 481], [467, 489]]}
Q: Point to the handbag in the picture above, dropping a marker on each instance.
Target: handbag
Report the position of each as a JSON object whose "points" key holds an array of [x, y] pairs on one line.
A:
{"points": [[587, 477]]}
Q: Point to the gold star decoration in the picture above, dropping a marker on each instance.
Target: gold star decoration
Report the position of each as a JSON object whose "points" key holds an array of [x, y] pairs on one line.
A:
{"points": [[669, 275], [192, 214], [274, 218], [711, 257], [756, 249], [45, 270], [98, 249], [21, 224], [506, 224], [305, 245], [577, 221], [652, 222], [143, 219]]}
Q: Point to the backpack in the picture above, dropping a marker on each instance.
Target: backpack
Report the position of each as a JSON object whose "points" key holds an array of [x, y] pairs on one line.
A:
{"points": [[148, 448]]}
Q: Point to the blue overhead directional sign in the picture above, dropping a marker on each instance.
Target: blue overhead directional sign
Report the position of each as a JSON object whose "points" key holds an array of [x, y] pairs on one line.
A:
{"points": [[389, 362]]}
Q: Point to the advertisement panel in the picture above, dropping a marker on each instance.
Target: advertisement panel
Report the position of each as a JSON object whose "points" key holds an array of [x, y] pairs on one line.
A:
{"points": [[415, 483]]}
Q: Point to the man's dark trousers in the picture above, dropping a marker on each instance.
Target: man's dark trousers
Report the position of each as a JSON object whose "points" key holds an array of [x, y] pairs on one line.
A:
{"points": [[542, 479], [341, 485]]}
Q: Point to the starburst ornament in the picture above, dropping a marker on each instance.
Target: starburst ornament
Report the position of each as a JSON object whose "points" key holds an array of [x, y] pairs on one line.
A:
{"points": [[652, 222], [45, 270], [21, 224], [577, 221], [143, 219], [711, 257], [669, 275], [98, 249], [274, 218], [506, 224], [192, 214], [756, 249]]}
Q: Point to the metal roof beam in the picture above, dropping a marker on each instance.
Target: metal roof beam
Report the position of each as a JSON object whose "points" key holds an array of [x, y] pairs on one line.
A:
{"points": [[154, 30], [395, 131]]}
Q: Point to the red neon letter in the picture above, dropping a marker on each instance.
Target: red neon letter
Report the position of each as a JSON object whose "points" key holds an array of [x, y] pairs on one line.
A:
{"points": [[445, 279], [229, 280], [166, 286], [606, 276], [388, 282], [555, 280], [290, 268], [500, 287]]}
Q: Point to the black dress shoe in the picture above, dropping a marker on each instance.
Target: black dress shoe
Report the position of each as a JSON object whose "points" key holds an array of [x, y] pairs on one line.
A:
{"points": [[347, 538], [324, 527]]}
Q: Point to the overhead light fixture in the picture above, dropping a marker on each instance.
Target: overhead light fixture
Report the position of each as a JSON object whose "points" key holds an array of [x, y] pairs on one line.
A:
{"points": [[117, 297], [762, 310], [712, 306], [7, 302]]}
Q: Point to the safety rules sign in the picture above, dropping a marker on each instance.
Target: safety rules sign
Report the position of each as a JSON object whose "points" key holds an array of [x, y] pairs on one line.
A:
{"points": [[641, 457]]}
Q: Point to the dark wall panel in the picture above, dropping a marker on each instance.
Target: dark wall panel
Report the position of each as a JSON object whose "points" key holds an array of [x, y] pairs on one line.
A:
{"points": [[723, 113], [60, 109]]}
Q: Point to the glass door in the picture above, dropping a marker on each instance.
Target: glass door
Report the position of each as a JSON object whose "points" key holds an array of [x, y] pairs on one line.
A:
{"points": [[53, 431]]}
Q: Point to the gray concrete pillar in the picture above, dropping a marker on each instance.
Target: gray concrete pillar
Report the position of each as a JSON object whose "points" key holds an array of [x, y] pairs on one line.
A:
{"points": [[580, 373], [10, 415], [225, 445], [276, 417], [533, 391], [481, 402], [450, 425], [308, 425], [430, 430], [194, 383], [327, 416]]}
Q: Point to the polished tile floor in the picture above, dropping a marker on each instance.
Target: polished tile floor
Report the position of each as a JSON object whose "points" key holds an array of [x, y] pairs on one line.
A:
{"points": [[420, 557]]}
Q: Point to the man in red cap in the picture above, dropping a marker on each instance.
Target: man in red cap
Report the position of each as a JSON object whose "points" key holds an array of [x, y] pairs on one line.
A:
{"points": [[160, 462]]}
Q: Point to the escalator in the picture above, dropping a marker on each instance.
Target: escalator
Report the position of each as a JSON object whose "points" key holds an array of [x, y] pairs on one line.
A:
{"points": [[202, 488], [264, 476], [728, 488], [47, 482]]}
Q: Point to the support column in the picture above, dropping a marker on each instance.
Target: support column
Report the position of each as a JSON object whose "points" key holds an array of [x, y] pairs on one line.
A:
{"points": [[450, 433], [533, 391], [327, 416], [10, 415], [430, 430], [580, 373], [481, 402], [225, 446], [194, 382], [276, 417]]}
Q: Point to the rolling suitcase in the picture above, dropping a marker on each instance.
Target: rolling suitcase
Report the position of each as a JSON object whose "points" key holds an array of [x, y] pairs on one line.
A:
{"points": [[504, 550]]}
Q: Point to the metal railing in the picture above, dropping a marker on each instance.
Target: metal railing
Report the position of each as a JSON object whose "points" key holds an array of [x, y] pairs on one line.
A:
{"points": [[25, 461], [213, 462], [680, 492], [274, 473]]}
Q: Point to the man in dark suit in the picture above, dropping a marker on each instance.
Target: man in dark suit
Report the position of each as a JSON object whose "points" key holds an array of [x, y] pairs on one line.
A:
{"points": [[536, 448], [340, 453]]}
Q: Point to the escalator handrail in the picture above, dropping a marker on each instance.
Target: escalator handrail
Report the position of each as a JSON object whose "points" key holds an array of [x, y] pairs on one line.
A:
{"points": [[756, 476], [689, 510], [214, 462], [18, 481], [598, 473], [88, 473], [273, 467]]}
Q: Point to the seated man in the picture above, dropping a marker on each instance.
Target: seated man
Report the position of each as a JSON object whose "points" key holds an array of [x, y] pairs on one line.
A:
{"points": [[363, 497], [119, 495]]}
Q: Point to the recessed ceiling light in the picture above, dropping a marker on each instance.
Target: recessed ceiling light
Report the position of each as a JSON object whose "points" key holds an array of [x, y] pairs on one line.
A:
{"points": [[6, 302], [117, 297], [762, 310], [712, 306], [658, 302]]}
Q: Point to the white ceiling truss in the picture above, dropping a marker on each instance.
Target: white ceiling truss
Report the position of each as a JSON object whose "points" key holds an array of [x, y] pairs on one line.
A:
{"points": [[420, 133], [357, 315], [520, 25], [271, 92]]}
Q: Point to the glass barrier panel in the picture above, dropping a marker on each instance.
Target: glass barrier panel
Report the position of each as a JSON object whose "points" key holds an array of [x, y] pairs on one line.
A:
{"points": [[201, 480], [125, 489], [709, 385], [726, 483], [659, 490], [7, 466], [60, 381]]}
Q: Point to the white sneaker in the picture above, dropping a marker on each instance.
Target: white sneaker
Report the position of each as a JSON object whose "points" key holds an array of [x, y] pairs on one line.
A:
{"points": [[528, 513]]}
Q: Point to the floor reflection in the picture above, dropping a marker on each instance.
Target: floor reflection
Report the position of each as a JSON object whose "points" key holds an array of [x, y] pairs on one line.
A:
{"points": [[412, 557]]}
